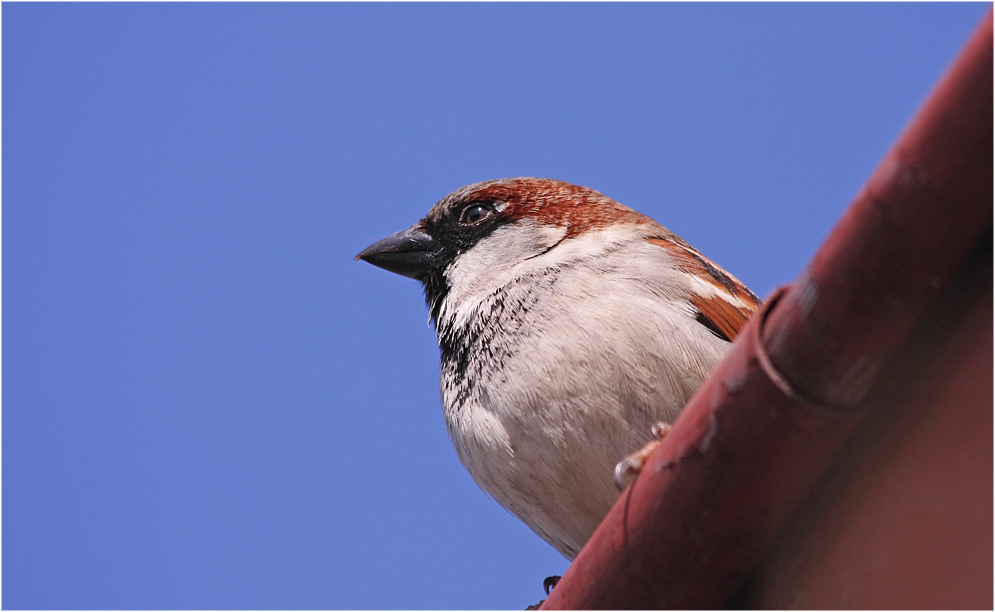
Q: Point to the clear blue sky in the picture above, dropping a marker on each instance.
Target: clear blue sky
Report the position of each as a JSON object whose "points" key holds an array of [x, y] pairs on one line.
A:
{"points": [[208, 404]]}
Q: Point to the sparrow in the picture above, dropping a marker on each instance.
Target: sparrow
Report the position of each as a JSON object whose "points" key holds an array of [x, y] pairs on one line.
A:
{"points": [[569, 327]]}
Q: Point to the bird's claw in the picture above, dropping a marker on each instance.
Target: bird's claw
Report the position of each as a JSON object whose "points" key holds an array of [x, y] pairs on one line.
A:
{"points": [[549, 583], [547, 586], [633, 464]]}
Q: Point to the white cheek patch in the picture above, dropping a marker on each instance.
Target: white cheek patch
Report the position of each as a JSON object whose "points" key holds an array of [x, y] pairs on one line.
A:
{"points": [[590, 243], [495, 260]]}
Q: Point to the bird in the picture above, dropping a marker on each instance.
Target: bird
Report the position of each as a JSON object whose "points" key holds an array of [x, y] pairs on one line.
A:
{"points": [[570, 327]]}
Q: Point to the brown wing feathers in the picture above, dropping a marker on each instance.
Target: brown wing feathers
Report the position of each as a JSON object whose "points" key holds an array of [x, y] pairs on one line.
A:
{"points": [[723, 317]]}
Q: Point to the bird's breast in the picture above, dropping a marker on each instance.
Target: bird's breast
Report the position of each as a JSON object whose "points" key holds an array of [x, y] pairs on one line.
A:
{"points": [[549, 381]]}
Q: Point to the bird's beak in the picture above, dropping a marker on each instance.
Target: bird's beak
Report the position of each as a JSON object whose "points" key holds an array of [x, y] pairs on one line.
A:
{"points": [[410, 253]]}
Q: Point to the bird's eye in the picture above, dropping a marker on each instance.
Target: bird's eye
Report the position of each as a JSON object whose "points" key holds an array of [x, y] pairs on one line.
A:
{"points": [[475, 213]]}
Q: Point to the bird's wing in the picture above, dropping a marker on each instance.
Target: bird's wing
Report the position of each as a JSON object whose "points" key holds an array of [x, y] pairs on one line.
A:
{"points": [[723, 304]]}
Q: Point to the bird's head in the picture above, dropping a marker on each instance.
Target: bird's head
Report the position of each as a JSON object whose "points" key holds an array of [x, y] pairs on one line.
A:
{"points": [[490, 232]]}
